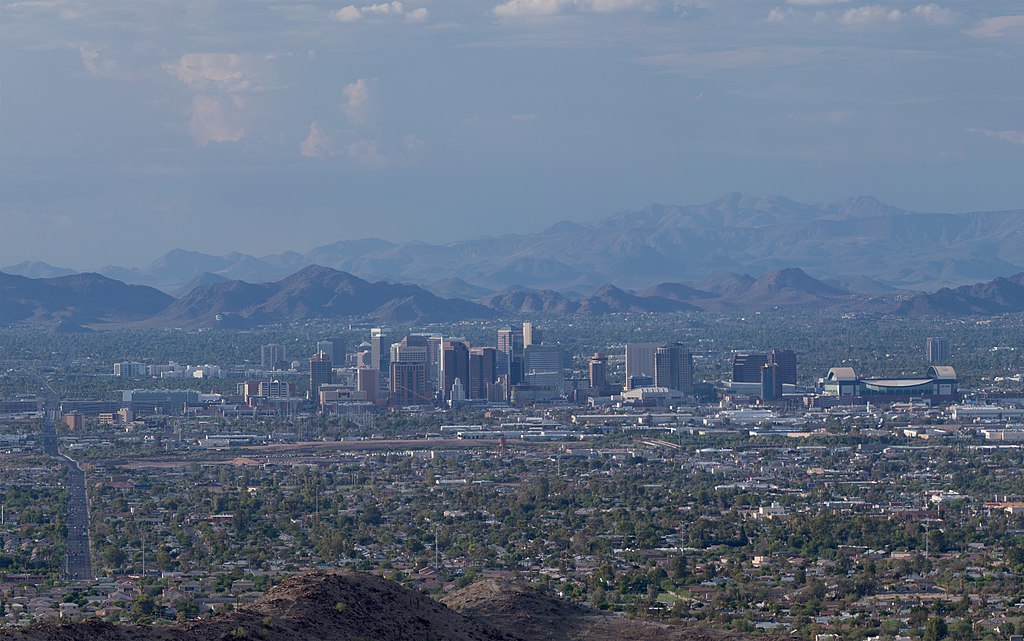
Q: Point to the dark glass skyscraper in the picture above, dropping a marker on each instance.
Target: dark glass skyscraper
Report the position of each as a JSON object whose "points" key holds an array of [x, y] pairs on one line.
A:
{"points": [[673, 368]]}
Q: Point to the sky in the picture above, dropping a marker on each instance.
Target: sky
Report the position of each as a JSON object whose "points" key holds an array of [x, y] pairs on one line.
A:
{"points": [[131, 128]]}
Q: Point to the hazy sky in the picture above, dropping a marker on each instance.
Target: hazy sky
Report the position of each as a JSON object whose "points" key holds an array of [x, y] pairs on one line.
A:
{"points": [[128, 128]]}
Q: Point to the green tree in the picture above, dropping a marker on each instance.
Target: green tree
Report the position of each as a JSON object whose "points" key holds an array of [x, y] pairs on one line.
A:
{"points": [[936, 629]]}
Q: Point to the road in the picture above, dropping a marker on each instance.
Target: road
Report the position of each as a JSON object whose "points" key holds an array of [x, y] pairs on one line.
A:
{"points": [[78, 559]]}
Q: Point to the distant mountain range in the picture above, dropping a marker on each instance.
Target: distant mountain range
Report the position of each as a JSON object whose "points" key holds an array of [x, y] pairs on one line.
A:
{"points": [[82, 301], [860, 245], [999, 296], [313, 292]]}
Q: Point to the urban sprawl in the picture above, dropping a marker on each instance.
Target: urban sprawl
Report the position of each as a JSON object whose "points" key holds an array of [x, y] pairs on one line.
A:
{"points": [[675, 480]]}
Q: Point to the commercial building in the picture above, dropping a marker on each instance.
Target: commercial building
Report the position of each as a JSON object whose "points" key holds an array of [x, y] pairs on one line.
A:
{"points": [[454, 367], [510, 354], [321, 372], [673, 368], [368, 382], [334, 348], [273, 356], [771, 382], [482, 372], [129, 369], [409, 383], [597, 369], [150, 402], [543, 365], [380, 349], [74, 421], [531, 335], [640, 364], [746, 367], [409, 366], [786, 360], [937, 350]]}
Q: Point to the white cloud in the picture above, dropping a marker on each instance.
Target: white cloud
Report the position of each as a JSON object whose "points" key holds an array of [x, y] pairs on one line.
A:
{"points": [[817, 2], [95, 62], [611, 6], [223, 70], [413, 143], [367, 152], [216, 119], [352, 13], [357, 100], [997, 27], [870, 14], [525, 8], [317, 142], [1009, 135], [935, 14], [347, 14], [777, 15], [531, 8]]}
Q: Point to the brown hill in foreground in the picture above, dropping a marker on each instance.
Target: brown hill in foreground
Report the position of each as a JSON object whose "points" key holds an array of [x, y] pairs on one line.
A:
{"points": [[351, 606], [533, 616], [342, 606]]}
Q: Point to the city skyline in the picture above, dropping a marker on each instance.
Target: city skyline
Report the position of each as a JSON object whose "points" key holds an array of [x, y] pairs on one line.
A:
{"points": [[166, 125]]}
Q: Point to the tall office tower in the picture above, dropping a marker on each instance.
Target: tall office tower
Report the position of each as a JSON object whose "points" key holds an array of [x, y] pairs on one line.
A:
{"points": [[412, 348], [483, 362], [380, 349], [367, 380], [434, 345], [746, 367], [531, 335], [249, 391], [639, 361], [673, 368], [272, 355], [363, 356], [326, 348], [599, 372], [334, 348], [771, 382], [937, 350], [510, 355], [409, 363], [320, 373], [544, 365], [454, 367], [786, 360], [409, 383]]}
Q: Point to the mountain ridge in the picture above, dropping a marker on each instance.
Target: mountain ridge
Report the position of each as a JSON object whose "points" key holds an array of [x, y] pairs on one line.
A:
{"points": [[82, 302], [860, 237]]}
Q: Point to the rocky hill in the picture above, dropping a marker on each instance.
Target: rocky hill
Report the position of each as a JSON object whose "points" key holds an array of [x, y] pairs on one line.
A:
{"points": [[75, 300], [998, 296], [350, 606], [84, 301], [313, 292], [536, 617]]}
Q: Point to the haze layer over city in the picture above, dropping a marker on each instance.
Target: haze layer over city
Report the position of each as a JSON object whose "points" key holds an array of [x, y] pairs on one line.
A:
{"points": [[534, 320]]}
